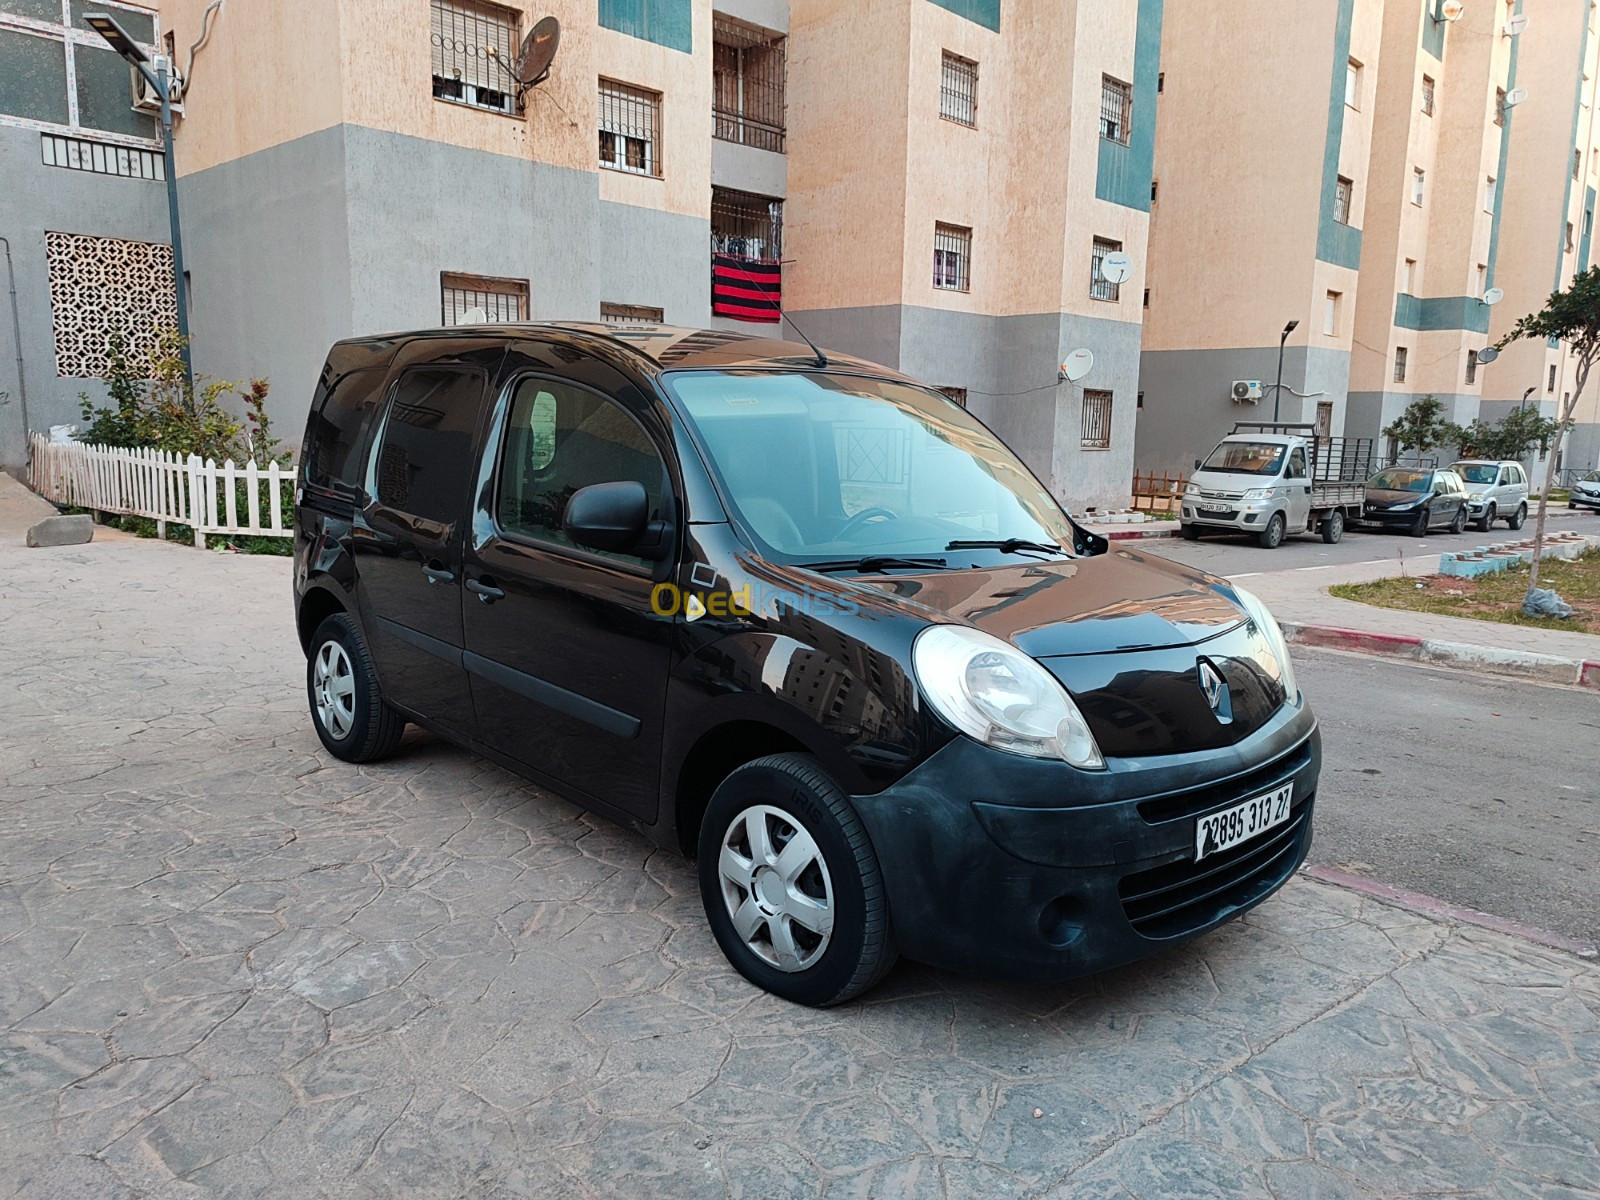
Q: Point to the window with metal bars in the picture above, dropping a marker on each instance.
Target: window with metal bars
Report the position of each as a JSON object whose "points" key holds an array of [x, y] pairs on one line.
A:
{"points": [[464, 297], [1427, 95], [1342, 190], [1101, 288], [746, 225], [1499, 106], [958, 90], [1400, 356], [1116, 109], [474, 54], [630, 314], [1096, 420], [952, 258], [959, 395], [630, 125], [1472, 366], [1577, 164], [748, 82]]}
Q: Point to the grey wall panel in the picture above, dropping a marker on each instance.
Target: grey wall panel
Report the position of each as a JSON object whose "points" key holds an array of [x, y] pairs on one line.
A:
{"points": [[642, 256], [747, 169], [872, 333]]}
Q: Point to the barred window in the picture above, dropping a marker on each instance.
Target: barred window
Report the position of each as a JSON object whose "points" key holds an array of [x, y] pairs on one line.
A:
{"points": [[1096, 420], [748, 68], [1577, 164], [1400, 357], [630, 124], [746, 225], [1342, 190], [482, 300], [959, 395], [80, 154], [1472, 366], [630, 314], [1116, 109], [1427, 95], [952, 258], [958, 90], [474, 54], [1101, 288]]}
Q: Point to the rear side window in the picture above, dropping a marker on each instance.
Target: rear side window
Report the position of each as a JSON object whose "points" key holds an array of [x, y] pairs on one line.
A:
{"points": [[334, 432], [561, 438], [421, 464]]}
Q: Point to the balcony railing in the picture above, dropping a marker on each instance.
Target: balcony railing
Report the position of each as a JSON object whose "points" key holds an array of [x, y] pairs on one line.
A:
{"points": [[748, 99]]}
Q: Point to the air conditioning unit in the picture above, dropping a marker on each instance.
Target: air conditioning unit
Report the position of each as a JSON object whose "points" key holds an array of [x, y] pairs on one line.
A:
{"points": [[145, 98], [1247, 391]]}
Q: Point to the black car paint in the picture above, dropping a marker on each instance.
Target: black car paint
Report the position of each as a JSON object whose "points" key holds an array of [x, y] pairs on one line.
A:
{"points": [[1399, 507], [1123, 631]]}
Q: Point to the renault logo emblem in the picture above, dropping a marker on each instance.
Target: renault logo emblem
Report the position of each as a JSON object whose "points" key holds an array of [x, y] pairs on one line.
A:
{"points": [[1216, 691]]}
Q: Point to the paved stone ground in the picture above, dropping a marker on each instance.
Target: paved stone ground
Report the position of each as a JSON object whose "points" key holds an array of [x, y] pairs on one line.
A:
{"points": [[231, 966]]}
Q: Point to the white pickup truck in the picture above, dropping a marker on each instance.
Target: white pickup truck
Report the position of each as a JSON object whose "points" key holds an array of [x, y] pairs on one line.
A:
{"points": [[1270, 480]]}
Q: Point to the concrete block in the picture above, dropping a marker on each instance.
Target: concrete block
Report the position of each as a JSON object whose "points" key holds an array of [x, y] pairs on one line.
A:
{"points": [[62, 531]]}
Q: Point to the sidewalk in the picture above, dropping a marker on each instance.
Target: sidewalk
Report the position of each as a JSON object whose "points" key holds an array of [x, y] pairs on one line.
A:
{"points": [[1310, 616]]}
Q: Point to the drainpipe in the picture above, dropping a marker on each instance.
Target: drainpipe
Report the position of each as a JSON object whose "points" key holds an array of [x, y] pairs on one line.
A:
{"points": [[16, 332]]}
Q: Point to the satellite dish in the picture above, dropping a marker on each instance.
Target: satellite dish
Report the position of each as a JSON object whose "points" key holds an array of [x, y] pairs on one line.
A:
{"points": [[1451, 10], [1077, 364], [1116, 267], [1516, 96], [474, 316], [1487, 355], [1494, 296], [1516, 25], [538, 52]]}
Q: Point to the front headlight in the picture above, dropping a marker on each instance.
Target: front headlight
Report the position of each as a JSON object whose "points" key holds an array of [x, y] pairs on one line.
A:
{"points": [[1475, 497], [1258, 494], [997, 695], [1191, 489], [1268, 624]]}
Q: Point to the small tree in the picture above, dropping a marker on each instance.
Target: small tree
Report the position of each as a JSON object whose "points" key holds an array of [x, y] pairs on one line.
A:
{"points": [[1573, 316], [1513, 436], [1421, 427]]}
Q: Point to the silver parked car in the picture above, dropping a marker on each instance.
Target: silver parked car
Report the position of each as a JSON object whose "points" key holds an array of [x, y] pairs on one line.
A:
{"points": [[1496, 491], [1585, 492]]}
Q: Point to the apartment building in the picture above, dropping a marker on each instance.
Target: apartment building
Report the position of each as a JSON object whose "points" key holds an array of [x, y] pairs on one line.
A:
{"points": [[1550, 180]]}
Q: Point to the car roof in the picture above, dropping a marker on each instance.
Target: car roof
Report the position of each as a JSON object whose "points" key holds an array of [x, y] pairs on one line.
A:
{"points": [[651, 348]]}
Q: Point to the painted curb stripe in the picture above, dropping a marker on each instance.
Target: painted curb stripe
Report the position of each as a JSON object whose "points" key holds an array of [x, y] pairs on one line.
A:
{"points": [[1548, 668]]}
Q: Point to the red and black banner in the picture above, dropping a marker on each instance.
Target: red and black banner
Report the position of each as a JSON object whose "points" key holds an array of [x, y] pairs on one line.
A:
{"points": [[746, 289]]}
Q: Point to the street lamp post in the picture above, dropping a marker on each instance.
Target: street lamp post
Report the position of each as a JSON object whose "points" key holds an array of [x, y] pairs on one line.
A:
{"points": [[1277, 391], [161, 80], [1526, 394]]}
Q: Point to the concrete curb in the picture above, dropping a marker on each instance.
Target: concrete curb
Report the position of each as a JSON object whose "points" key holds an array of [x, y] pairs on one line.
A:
{"points": [[1135, 535], [1547, 668]]}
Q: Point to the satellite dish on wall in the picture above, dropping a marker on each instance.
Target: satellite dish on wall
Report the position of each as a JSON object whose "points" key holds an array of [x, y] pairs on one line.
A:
{"points": [[1516, 96], [1076, 365], [1116, 267], [1487, 355], [1516, 25], [1494, 296], [1451, 10], [537, 53]]}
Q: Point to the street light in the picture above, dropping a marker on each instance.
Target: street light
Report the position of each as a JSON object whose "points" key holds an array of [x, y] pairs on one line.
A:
{"points": [[159, 78], [1277, 391], [1526, 394]]}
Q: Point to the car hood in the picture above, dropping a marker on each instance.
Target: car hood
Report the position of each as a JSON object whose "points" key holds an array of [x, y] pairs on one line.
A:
{"points": [[1231, 483], [1388, 498], [1112, 603]]}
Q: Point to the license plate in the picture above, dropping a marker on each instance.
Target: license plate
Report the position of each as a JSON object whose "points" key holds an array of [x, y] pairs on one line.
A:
{"points": [[1213, 508], [1242, 822]]}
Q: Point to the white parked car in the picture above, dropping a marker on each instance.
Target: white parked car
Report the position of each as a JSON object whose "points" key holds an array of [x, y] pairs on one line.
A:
{"points": [[1586, 492], [1496, 491]]}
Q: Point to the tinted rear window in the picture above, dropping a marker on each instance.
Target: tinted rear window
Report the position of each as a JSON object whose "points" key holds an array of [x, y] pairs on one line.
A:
{"points": [[336, 429]]}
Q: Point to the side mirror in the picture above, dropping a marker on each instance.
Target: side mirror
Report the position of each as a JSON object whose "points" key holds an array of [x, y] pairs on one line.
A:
{"points": [[1197, 464], [607, 516]]}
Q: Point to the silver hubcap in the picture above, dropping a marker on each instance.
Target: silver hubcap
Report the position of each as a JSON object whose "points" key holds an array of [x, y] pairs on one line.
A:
{"points": [[333, 690], [777, 888]]}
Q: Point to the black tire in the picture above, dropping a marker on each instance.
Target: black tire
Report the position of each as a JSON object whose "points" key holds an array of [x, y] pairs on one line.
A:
{"points": [[1517, 521], [1189, 532], [1571, 505], [374, 728], [1333, 527], [1419, 527], [860, 948], [1459, 521], [1486, 520], [1271, 537]]}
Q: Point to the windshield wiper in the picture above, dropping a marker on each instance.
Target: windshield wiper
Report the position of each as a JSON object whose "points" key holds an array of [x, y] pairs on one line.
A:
{"points": [[1008, 546], [877, 562]]}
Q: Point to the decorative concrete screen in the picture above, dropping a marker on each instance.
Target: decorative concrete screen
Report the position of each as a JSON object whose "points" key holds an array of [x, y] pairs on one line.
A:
{"points": [[100, 286]]}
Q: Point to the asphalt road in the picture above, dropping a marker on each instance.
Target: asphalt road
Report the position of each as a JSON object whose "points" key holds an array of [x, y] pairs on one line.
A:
{"points": [[1481, 792], [1233, 555]]}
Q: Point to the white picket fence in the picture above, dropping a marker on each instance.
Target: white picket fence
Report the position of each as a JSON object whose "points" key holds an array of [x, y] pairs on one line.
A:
{"points": [[163, 486]]}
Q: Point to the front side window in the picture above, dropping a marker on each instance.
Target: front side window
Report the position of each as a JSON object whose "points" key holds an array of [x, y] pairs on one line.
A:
{"points": [[422, 457], [825, 467], [630, 123], [474, 49], [1297, 464], [560, 438], [1116, 109]]}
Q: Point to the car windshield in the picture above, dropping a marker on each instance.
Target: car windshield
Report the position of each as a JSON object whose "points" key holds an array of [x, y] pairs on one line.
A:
{"points": [[1246, 458], [1478, 472], [824, 467], [1397, 479]]}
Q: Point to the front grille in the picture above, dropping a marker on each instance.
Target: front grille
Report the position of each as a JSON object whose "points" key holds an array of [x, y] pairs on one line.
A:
{"points": [[1231, 514], [1183, 897], [1193, 801]]}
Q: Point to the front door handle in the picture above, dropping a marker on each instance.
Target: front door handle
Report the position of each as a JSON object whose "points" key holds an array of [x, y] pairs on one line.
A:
{"points": [[485, 590], [437, 574]]}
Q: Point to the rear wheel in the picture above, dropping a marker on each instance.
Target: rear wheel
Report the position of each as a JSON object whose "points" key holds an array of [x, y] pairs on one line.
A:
{"points": [[347, 707], [1516, 521], [1271, 537], [791, 886], [1419, 527], [1486, 520], [1333, 527], [1459, 521], [1189, 532]]}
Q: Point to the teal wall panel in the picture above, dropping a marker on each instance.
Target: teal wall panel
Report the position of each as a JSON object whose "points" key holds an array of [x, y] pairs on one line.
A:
{"points": [[1123, 173], [1441, 313], [1587, 239], [981, 12], [664, 22], [1337, 243], [1433, 32]]}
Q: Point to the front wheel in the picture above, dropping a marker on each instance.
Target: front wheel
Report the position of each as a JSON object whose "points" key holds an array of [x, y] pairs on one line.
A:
{"points": [[1516, 521], [1333, 527], [347, 707], [1486, 520], [1271, 537], [791, 886], [1419, 527], [1189, 532]]}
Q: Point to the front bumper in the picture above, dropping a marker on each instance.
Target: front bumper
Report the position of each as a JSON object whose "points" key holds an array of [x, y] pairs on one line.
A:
{"points": [[1389, 516], [1584, 499], [1005, 866], [1239, 514]]}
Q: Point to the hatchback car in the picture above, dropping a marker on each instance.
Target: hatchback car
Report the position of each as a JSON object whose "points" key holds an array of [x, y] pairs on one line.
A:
{"points": [[1585, 493], [1495, 491], [1415, 499], [808, 621]]}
